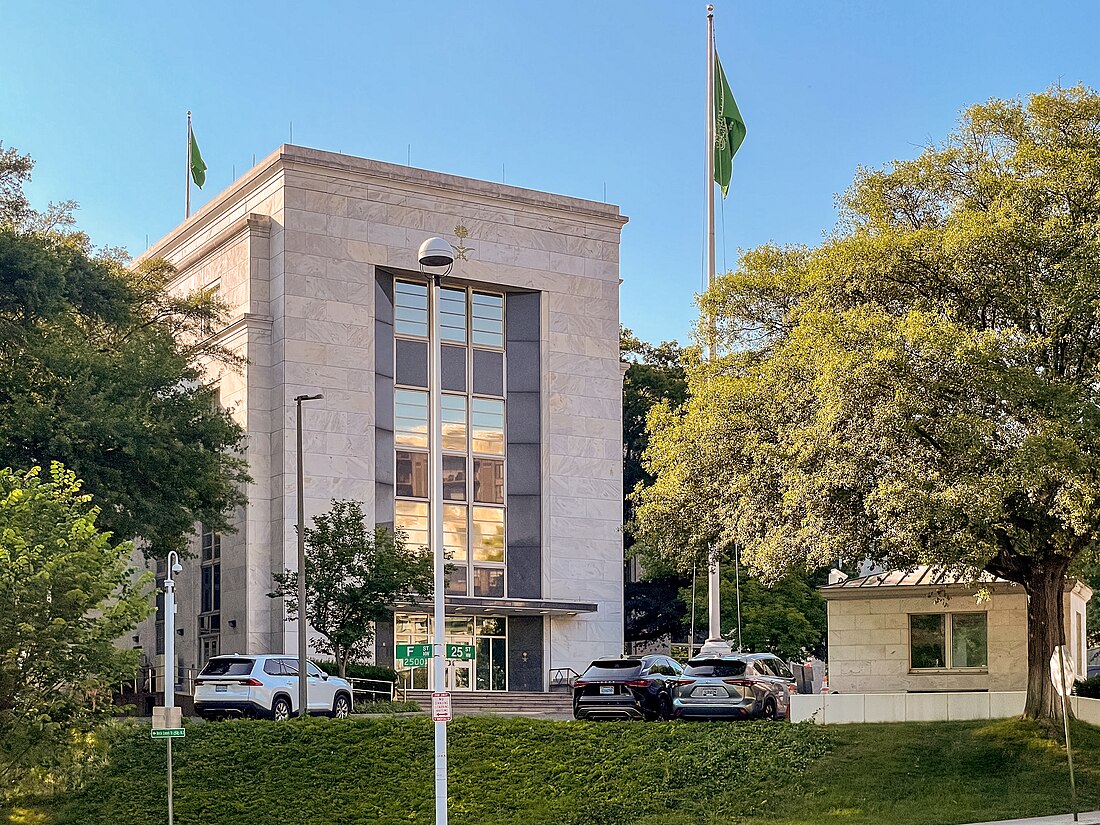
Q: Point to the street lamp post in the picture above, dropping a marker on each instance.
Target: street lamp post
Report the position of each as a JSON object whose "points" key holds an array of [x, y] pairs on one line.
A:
{"points": [[437, 254], [303, 695], [174, 566]]}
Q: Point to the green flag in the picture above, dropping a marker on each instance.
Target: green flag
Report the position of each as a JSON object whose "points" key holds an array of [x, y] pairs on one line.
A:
{"points": [[198, 166], [729, 128]]}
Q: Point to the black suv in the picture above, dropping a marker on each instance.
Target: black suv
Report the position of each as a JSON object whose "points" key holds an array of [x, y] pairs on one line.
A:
{"points": [[626, 689]]}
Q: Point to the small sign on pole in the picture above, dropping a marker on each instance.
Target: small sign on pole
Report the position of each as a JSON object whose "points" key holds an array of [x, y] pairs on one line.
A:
{"points": [[167, 733], [407, 652], [441, 707], [464, 653], [1063, 674]]}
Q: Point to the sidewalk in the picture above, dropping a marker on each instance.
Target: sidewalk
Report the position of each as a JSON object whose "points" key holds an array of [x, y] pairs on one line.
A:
{"points": [[1090, 818]]}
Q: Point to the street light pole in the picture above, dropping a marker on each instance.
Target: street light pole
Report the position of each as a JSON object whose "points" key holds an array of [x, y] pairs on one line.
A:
{"points": [[174, 566], [303, 695], [437, 254]]}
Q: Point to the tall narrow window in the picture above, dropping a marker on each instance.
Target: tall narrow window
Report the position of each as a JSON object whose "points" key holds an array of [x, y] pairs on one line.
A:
{"points": [[210, 582], [471, 328]]}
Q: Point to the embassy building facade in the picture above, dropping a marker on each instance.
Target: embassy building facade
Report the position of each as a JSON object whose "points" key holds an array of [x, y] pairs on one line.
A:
{"points": [[315, 255]]}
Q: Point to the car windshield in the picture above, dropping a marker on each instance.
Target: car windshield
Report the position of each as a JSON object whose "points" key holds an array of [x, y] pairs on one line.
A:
{"points": [[227, 667], [715, 667], [613, 669]]}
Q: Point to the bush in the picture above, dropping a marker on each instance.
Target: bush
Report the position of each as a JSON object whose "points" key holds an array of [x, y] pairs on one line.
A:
{"points": [[358, 671], [387, 707], [1089, 688]]}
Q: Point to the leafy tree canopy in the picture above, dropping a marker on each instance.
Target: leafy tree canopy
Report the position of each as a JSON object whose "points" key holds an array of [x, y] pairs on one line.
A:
{"points": [[68, 593], [923, 386], [104, 368], [354, 575]]}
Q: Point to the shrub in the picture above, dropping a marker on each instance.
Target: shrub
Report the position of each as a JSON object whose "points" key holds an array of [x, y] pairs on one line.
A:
{"points": [[1089, 688], [387, 707], [358, 671]]}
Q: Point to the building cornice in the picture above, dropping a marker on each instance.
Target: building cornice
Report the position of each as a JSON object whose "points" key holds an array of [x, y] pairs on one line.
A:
{"points": [[313, 161]]}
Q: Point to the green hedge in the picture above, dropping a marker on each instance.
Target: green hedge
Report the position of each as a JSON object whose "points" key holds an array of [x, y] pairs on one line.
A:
{"points": [[1089, 688], [387, 707], [358, 671], [378, 771]]}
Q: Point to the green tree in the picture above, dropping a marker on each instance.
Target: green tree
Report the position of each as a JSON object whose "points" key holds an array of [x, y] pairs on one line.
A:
{"points": [[787, 618], [354, 576], [922, 387], [655, 373], [105, 368], [68, 593]]}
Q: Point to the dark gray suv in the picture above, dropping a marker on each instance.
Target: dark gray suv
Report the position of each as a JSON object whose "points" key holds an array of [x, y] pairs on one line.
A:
{"points": [[638, 688]]}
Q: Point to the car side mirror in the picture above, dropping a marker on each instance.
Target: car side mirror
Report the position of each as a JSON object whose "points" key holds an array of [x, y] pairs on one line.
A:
{"points": [[324, 676]]}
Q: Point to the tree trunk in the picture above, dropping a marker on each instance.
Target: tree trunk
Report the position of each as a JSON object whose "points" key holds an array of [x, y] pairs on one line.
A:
{"points": [[1045, 631], [341, 662]]}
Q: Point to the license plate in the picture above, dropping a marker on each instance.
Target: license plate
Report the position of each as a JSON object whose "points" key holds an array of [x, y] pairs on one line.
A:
{"points": [[607, 690], [221, 688], [708, 692]]}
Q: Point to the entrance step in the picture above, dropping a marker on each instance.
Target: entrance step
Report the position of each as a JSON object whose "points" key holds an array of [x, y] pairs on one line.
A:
{"points": [[536, 705]]}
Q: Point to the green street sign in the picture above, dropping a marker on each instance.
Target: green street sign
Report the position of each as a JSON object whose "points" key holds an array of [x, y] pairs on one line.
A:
{"points": [[167, 733], [414, 652], [415, 662], [462, 652]]}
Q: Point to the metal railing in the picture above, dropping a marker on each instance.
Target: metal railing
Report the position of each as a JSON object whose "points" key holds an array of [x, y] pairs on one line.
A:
{"points": [[149, 679], [369, 689], [562, 677]]}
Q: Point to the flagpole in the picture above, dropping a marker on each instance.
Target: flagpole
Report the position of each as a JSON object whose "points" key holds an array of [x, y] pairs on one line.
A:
{"points": [[187, 172], [715, 644]]}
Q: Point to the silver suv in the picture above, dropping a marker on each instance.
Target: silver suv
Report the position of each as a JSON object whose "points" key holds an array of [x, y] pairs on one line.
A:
{"points": [[267, 686]]}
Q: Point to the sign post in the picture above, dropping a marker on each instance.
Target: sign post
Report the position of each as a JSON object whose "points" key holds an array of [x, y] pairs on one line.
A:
{"points": [[1063, 674], [169, 717]]}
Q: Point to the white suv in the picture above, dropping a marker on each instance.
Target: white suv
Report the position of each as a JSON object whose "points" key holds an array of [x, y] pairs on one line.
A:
{"points": [[235, 685]]}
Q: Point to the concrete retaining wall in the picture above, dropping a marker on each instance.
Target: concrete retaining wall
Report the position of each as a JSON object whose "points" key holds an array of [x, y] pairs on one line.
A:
{"points": [[842, 708]]}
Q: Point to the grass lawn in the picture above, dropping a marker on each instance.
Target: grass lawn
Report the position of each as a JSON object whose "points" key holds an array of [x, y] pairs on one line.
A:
{"points": [[508, 771]]}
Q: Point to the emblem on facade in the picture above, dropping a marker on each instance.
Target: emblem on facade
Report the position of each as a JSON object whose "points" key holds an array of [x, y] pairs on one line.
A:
{"points": [[461, 250]]}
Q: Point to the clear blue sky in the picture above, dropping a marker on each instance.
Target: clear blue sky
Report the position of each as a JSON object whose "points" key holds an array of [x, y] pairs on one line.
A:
{"points": [[568, 96]]}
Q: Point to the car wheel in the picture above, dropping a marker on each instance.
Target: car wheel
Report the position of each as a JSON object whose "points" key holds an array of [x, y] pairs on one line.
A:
{"points": [[666, 710], [768, 712], [280, 709], [341, 707]]}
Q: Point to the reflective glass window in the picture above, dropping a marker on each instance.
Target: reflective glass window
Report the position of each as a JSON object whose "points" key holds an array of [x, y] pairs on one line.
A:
{"points": [[454, 477], [410, 418], [454, 422], [487, 419], [454, 531], [488, 319], [452, 315], [412, 517], [969, 640], [456, 584], [926, 641], [410, 309], [412, 474], [488, 581], [488, 543], [488, 481]]}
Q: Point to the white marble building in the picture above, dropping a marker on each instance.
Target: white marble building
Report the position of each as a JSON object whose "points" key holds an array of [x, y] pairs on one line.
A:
{"points": [[315, 253]]}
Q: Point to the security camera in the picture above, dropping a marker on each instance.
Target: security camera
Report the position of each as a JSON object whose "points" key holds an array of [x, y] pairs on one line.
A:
{"points": [[177, 568]]}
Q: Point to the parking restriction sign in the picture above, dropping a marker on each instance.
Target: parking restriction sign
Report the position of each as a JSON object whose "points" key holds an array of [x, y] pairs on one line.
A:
{"points": [[441, 707]]}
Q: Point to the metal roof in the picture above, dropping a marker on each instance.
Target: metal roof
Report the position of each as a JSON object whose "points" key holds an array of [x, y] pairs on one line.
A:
{"points": [[923, 575]]}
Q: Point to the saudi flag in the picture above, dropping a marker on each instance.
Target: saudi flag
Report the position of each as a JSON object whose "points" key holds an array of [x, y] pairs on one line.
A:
{"points": [[198, 165], [729, 128]]}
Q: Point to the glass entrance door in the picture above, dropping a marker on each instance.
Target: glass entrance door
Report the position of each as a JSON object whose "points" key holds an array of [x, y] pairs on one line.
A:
{"points": [[488, 635]]}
